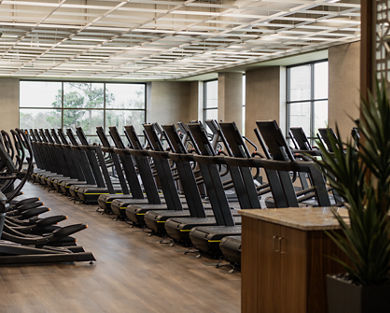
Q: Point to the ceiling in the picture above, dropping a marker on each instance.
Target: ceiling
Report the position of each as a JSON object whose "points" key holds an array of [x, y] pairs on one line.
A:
{"points": [[158, 39]]}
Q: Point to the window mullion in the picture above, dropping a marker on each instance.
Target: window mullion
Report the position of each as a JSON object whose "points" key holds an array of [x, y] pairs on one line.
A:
{"points": [[62, 105]]}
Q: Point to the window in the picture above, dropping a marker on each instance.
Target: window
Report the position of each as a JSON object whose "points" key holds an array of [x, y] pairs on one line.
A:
{"points": [[243, 103], [210, 100], [74, 104], [307, 97]]}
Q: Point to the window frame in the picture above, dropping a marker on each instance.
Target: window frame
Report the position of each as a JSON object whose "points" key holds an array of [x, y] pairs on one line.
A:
{"points": [[312, 100], [104, 108]]}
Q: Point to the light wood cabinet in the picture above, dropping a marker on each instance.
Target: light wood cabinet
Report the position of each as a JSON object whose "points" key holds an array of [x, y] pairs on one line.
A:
{"points": [[284, 269]]}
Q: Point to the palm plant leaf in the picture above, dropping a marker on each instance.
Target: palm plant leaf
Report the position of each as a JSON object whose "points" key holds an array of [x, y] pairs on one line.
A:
{"points": [[362, 178]]}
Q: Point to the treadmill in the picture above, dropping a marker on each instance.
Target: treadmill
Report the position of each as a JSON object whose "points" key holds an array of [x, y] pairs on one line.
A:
{"points": [[135, 213], [178, 227], [173, 201], [91, 193], [312, 183], [277, 173], [87, 162], [207, 238], [121, 155], [71, 174], [52, 167], [248, 193], [301, 142], [80, 165], [324, 135], [59, 157]]}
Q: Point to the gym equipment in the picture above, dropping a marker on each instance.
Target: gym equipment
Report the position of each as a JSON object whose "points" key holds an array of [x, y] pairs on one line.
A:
{"points": [[123, 162], [18, 244], [178, 227]]}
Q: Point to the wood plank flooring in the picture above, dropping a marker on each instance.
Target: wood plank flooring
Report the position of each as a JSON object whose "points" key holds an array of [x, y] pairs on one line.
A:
{"points": [[134, 273]]}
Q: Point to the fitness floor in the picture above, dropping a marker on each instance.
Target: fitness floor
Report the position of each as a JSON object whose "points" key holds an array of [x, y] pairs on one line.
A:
{"points": [[134, 273]]}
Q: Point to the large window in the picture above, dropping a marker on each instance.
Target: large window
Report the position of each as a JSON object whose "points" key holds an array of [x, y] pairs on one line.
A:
{"points": [[74, 104], [307, 97], [210, 100], [243, 103]]}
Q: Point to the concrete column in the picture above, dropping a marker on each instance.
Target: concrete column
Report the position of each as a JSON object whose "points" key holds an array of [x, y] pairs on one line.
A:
{"points": [[264, 98], [170, 102], [230, 98], [9, 103], [344, 84]]}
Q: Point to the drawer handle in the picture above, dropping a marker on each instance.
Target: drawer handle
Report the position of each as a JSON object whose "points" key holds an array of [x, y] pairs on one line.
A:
{"points": [[281, 239], [275, 244]]}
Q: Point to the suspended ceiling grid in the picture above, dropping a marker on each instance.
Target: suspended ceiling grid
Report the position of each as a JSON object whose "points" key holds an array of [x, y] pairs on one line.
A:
{"points": [[152, 39]]}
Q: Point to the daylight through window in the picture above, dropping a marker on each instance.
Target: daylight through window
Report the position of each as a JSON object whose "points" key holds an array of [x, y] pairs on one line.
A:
{"points": [[307, 97], [46, 104]]}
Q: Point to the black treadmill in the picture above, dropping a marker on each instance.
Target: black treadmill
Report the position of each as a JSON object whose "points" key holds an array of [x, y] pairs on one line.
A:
{"points": [[178, 227], [301, 142], [51, 166], [67, 169], [248, 193], [87, 163], [278, 149], [278, 174], [56, 157], [80, 163], [70, 171], [324, 135], [123, 162], [136, 212], [173, 201], [91, 193], [207, 238]]}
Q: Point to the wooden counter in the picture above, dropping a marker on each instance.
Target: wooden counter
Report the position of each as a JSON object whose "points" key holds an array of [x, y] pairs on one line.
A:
{"points": [[285, 259]]}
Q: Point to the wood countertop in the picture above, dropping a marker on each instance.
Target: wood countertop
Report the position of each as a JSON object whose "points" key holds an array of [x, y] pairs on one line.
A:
{"points": [[306, 219]]}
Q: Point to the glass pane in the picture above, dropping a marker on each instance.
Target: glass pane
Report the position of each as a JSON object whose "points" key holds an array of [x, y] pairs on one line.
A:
{"points": [[211, 99], [93, 139], [87, 119], [40, 118], [83, 95], [123, 118], [211, 114], [300, 116], [243, 90], [300, 82], [125, 96], [243, 121], [320, 115], [321, 80], [40, 94]]}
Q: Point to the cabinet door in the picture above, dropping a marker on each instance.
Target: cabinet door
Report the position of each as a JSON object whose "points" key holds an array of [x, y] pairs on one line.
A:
{"points": [[293, 254], [269, 275], [260, 267]]}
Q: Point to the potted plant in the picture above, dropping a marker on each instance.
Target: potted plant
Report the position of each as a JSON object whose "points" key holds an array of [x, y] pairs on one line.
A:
{"points": [[361, 175]]}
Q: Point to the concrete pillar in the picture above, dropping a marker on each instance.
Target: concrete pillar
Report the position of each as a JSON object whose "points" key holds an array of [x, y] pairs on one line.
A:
{"points": [[265, 98], [169, 102], [9, 103], [230, 98], [344, 82]]}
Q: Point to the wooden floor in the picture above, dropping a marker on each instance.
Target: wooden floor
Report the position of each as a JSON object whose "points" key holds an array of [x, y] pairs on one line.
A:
{"points": [[133, 273]]}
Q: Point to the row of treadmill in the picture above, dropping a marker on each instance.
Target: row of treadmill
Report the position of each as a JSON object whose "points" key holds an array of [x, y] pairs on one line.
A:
{"points": [[185, 182], [27, 234]]}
